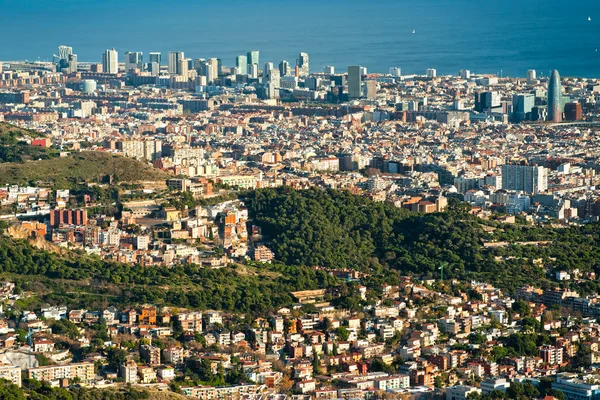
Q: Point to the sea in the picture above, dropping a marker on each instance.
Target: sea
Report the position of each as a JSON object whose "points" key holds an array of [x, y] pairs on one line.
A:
{"points": [[506, 37]]}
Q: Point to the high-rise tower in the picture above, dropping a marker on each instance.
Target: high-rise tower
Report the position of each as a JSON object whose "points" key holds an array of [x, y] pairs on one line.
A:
{"points": [[554, 101], [155, 57], [284, 68], [241, 62], [302, 64], [354, 82], [110, 61], [133, 59], [174, 61], [252, 57]]}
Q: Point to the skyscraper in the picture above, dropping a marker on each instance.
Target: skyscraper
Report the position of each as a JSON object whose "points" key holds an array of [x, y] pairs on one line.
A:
{"points": [[354, 82], [241, 62], [273, 83], [133, 59], [522, 105], [174, 58], [110, 61], [370, 91], [272, 76], [72, 64], [253, 71], [329, 70], [199, 65], [573, 112], [554, 100], [284, 68], [531, 76], [268, 66], [64, 52], [66, 61], [62, 60], [396, 72], [302, 64], [487, 101], [155, 57], [431, 72], [153, 68], [182, 67], [252, 57], [212, 72]]}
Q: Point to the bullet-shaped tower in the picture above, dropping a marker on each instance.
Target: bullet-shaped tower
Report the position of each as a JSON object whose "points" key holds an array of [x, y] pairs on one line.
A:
{"points": [[554, 101]]}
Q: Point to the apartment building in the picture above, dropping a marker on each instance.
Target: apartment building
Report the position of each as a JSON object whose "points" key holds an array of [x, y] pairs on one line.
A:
{"points": [[190, 322], [11, 373], [84, 371]]}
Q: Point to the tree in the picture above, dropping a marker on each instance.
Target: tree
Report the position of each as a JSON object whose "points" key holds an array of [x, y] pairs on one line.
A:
{"points": [[174, 387], [10, 391], [557, 394], [66, 328], [498, 353], [43, 360], [342, 333], [236, 375], [377, 365], [286, 384], [477, 338], [316, 364], [116, 357], [582, 357], [523, 391], [530, 323]]}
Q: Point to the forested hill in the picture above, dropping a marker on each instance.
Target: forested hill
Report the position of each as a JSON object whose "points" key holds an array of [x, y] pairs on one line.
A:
{"points": [[316, 228], [337, 229], [87, 281]]}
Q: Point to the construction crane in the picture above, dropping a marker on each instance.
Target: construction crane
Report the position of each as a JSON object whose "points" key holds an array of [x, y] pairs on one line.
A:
{"points": [[441, 268], [29, 340]]}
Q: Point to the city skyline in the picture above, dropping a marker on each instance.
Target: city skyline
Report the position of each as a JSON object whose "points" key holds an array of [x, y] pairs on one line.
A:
{"points": [[498, 37], [157, 56]]}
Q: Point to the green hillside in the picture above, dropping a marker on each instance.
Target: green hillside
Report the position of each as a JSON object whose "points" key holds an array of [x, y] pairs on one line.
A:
{"points": [[317, 227], [67, 277], [12, 130], [337, 229], [79, 167], [14, 147]]}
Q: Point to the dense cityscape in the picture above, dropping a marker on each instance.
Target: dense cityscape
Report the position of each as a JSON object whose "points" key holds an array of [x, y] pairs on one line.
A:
{"points": [[185, 228]]}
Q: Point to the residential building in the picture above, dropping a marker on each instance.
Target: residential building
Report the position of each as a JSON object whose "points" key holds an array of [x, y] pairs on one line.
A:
{"points": [[84, 371]]}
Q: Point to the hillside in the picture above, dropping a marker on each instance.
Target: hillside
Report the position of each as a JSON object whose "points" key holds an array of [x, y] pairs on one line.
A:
{"points": [[13, 130], [337, 229], [76, 167], [316, 228], [86, 281], [14, 146]]}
